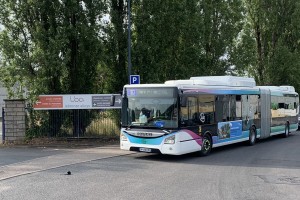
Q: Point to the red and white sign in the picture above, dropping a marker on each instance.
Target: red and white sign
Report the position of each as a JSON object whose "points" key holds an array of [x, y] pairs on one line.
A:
{"points": [[49, 102]]}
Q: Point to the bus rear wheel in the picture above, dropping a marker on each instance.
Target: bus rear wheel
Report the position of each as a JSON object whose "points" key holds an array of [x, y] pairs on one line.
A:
{"points": [[252, 136], [286, 130], [206, 146]]}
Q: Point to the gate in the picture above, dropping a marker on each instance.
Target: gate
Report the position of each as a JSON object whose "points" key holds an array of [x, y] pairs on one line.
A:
{"points": [[75, 115], [73, 123]]}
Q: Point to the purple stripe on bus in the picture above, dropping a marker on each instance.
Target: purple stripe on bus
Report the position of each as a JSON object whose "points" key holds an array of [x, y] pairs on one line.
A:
{"points": [[196, 137]]}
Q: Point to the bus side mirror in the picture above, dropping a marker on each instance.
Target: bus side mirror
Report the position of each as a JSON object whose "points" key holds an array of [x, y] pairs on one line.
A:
{"points": [[124, 114], [183, 101]]}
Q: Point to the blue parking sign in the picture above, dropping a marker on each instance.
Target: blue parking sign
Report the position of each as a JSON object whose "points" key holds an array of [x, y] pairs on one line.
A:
{"points": [[134, 79]]}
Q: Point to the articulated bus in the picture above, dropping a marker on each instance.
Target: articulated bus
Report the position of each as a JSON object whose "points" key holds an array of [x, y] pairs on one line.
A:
{"points": [[200, 113]]}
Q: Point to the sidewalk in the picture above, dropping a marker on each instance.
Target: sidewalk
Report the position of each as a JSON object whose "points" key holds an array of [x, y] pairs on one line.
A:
{"points": [[65, 143], [73, 156], [0, 130]]}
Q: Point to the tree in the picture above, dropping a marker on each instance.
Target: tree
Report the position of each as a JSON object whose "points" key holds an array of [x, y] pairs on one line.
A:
{"points": [[268, 46], [51, 47], [179, 39], [116, 47]]}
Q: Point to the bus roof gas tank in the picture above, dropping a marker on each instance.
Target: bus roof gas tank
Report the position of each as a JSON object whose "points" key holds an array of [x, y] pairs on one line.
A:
{"points": [[287, 88], [232, 81], [226, 81]]}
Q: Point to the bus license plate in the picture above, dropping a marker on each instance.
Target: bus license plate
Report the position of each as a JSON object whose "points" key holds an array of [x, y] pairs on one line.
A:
{"points": [[145, 150]]}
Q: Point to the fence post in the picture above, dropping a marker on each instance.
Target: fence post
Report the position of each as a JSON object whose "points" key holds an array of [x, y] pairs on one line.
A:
{"points": [[3, 126], [78, 124], [14, 122]]}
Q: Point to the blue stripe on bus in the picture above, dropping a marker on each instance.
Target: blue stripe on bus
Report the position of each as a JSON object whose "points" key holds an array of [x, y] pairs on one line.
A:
{"points": [[216, 140], [277, 129], [151, 141]]}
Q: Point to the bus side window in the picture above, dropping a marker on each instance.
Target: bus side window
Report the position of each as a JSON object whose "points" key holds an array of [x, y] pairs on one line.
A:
{"points": [[222, 108], [232, 107], [191, 111], [238, 107], [206, 108], [219, 108]]}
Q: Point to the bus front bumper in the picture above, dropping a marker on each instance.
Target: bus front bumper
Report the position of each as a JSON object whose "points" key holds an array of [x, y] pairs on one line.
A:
{"points": [[177, 148]]}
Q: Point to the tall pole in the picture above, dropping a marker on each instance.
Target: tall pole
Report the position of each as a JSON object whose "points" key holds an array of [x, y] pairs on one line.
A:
{"points": [[129, 41]]}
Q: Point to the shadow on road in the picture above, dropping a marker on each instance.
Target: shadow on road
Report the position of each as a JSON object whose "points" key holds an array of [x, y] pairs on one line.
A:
{"points": [[274, 152]]}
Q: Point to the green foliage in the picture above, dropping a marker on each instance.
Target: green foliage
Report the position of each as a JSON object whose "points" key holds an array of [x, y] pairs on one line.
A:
{"points": [[54, 47], [66, 47], [51, 47], [116, 48], [179, 39], [268, 46], [274, 106], [104, 125], [284, 67]]}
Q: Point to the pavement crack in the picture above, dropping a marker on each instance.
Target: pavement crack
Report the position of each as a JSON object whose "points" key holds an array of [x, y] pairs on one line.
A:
{"points": [[289, 180]]}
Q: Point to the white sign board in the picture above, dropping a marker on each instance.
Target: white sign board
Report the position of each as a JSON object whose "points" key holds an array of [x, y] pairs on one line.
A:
{"points": [[78, 101]]}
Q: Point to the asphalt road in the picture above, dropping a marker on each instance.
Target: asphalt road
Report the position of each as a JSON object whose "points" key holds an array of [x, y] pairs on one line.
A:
{"points": [[267, 171], [1, 130]]}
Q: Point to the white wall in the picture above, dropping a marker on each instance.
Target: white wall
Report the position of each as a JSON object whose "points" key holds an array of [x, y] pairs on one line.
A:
{"points": [[3, 95]]}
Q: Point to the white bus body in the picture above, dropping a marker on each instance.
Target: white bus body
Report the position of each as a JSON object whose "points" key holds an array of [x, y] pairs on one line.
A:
{"points": [[196, 115]]}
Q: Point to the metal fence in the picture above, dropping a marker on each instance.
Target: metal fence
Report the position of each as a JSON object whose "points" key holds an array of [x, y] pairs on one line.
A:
{"points": [[73, 123]]}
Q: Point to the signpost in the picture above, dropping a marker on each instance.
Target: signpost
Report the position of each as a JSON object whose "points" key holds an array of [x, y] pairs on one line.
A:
{"points": [[78, 101], [109, 101], [134, 79]]}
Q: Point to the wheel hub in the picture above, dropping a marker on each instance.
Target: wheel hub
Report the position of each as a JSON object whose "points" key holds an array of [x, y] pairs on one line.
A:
{"points": [[206, 145]]}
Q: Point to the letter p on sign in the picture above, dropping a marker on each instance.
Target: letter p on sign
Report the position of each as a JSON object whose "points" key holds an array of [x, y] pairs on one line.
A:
{"points": [[134, 79]]}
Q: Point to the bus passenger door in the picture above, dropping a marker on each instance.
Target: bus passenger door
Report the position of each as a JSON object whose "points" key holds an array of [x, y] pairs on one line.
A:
{"points": [[189, 114], [265, 106]]}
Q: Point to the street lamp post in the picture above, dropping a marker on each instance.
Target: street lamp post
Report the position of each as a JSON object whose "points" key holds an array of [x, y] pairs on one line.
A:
{"points": [[129, 41]]}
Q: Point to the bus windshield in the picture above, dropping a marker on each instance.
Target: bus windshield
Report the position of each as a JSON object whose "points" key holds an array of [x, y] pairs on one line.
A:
{"points": [[152, 108]]}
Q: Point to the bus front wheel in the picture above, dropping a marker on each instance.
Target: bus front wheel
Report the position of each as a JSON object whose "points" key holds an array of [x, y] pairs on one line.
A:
{"points": [[206, 145]]}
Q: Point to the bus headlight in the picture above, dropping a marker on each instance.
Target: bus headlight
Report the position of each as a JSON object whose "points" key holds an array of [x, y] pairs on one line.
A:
{"points": [[170, 140], [123, 137]]}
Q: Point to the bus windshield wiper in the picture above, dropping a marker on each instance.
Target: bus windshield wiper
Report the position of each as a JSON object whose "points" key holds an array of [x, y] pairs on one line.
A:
{"points": [[134, 125], [129, 126]]}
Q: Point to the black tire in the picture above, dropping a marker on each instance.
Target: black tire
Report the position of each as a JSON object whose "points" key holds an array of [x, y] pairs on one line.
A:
{"points": [[286, 130], [252, 136], [206, 146]]}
